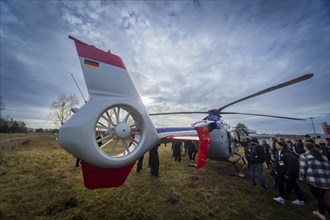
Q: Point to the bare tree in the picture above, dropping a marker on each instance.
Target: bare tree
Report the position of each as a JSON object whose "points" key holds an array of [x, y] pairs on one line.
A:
{"points": [[241, 126], [61, 109]]}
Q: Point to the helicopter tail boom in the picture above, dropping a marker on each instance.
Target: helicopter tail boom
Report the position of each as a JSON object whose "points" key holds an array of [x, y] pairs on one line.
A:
{"points": [[114, 112]]}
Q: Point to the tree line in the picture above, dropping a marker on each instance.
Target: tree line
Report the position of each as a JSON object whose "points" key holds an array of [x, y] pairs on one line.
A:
{"points": [[60, 112], [9, 125]]}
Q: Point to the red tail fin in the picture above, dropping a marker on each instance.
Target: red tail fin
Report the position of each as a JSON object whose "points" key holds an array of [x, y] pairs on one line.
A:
{"points": [[204, 146], [96, 178]]}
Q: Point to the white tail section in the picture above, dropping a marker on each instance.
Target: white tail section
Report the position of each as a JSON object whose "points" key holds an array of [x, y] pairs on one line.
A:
{"points": [[113, 128]]}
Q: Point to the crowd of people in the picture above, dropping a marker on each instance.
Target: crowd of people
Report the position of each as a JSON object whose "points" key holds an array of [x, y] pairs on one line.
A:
{"points": [[306, 160], [189, 148]]}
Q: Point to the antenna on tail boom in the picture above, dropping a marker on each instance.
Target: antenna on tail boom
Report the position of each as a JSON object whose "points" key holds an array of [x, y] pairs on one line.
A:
{"points": [[78, 88]]}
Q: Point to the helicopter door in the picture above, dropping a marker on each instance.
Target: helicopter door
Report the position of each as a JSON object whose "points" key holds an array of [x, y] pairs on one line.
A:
{"points": [[235, 140], [239, 135], [236, 135]]}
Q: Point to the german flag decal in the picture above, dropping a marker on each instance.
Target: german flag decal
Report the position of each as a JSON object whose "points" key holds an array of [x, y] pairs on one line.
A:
{"points": [[91, 63]]}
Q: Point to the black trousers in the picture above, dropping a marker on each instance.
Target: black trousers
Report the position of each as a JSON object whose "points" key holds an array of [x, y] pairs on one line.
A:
{"points": [[319, 194], [194, 155], [139, 164], [281, 181], [154, 161], [77, 162], [177, 156], [291, 184]]}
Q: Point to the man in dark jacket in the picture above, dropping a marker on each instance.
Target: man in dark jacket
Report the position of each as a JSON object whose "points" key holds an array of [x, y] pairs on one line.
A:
{"points": [[177, 151], [255, 155], [287, 171]]}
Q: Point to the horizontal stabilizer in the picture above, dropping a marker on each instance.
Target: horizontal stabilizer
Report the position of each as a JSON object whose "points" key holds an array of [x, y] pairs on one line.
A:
{"points": [[97, 178], [182, 138]]}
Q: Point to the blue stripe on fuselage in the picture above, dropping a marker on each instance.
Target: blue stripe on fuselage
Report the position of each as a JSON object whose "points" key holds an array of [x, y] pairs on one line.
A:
{"points": [[172, 129]]}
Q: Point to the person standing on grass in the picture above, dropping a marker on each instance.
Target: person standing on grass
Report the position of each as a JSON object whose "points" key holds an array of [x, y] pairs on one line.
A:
{"points": [[191, 150], [315, 171], [154, 161], [255, 155], [139, 164], [286, 168], [185, 147], [177, 151]]}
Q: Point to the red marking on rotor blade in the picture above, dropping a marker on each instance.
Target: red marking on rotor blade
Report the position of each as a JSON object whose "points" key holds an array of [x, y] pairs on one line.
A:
{"points": [[203, 147], [97, 178]]}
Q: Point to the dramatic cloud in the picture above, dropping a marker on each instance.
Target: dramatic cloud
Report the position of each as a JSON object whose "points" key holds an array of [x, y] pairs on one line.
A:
{"points": [[181, 55]]}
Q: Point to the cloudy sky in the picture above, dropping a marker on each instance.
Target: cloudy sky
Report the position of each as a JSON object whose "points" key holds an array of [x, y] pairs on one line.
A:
{"points": [[181, 56]]}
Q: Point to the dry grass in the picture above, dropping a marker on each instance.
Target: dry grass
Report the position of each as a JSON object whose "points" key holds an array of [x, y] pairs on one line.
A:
{"points": [[38, 180]]}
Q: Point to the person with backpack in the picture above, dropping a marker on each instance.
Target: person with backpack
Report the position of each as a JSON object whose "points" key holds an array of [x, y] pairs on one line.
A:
{"points": [[286, 168], [315, 171], [255, 155]]}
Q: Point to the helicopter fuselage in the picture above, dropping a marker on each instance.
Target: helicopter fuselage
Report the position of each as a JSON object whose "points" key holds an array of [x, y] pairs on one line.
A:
{"points": [[223, 145], [223, 141]]}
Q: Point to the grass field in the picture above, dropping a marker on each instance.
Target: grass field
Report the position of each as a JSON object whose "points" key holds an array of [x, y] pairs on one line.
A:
{"points": [[39, 180]]}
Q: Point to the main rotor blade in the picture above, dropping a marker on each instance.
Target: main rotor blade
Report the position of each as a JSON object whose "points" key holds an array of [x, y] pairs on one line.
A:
{"points": [[270, 89], [178, 113], [271, 116]]}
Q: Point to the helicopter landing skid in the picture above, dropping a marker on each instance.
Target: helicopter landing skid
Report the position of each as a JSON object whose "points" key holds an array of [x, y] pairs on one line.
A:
{"points": [[238, 171]]}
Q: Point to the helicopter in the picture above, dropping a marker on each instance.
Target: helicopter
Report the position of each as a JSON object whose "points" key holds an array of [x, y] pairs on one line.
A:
{"points": [[111, 131]]}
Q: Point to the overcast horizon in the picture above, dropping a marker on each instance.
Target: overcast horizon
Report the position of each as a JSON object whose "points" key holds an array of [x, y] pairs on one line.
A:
{"points": [[181, 56]]}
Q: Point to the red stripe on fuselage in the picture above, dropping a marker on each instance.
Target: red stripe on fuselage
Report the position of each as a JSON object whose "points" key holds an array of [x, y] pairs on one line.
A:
{"points": [[91, 52]]}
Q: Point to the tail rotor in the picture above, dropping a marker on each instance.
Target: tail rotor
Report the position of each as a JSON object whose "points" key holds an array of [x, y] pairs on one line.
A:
{"points": [[120, 131]]}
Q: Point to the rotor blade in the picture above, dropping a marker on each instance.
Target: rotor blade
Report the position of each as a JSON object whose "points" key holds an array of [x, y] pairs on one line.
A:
{"points": [[270, 89], [271, 116], [178, 113]]}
